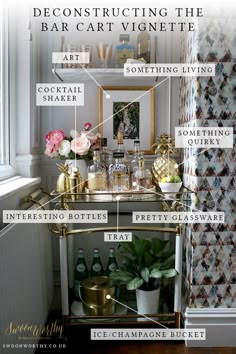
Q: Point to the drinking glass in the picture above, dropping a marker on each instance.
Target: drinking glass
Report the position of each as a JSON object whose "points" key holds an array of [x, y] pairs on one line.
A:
{"points": [[71, 48], [86, 50], [104, 54]]}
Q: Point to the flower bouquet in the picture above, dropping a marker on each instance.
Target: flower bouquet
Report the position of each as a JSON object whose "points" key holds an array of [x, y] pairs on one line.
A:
{"points": [[75, 146]]}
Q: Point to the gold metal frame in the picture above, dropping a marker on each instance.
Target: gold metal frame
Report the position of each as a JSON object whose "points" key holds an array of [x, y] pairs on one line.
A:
{"points": [[129, 88], [65, 235], [63, 232]]}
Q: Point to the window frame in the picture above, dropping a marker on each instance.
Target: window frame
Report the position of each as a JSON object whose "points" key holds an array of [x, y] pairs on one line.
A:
{"points": [[6, 169]]}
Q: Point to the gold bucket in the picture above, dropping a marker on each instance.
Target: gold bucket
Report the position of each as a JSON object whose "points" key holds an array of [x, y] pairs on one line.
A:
{"points": [[93, 293]]}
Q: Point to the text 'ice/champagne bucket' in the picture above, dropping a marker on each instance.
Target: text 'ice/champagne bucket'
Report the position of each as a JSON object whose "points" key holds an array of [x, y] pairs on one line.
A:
{"points": [[93, 293]]}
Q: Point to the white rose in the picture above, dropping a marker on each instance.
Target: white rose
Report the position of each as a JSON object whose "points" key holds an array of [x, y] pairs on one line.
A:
{"points": [[73, 133], [64, 148]]}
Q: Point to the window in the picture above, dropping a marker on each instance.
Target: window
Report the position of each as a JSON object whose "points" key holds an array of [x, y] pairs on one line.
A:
{"points": [[2, 149]]}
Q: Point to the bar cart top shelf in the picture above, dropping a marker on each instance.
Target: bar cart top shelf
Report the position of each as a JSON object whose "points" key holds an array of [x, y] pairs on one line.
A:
{"points": [[154, 195]]}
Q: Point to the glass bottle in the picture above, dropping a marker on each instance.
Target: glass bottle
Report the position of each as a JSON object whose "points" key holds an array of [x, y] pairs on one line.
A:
{"points": [[121, 148], [144, 45], [96, 268], [119, 173], [112, 264], [141, 177], [137, 155], [123, 51], [97, 174], [80, 272], [105, 153]]}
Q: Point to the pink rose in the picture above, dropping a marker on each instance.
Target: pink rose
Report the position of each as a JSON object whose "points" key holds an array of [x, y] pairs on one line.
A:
{"points": [[95, 141], [54, 138], [87, 126], [51, 150], [92, 137], [81, 144]]}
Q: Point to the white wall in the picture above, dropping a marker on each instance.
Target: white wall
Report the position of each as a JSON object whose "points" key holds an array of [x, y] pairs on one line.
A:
{"points": [[26, 279], [25, 250], [26, 275]]}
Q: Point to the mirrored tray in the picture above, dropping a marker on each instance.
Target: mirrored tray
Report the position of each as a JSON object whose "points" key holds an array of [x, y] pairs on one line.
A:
{"points": [[110, 196]]}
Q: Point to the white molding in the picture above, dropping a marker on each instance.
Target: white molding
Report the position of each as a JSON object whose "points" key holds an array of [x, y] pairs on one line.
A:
{"points": [[28, 165], [24, 72], [220, 325], [28, 157], [15, 184], [34, 78]]}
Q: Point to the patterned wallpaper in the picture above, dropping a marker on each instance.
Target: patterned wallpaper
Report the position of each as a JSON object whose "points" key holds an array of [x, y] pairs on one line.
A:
{"points": [[210, 249]]}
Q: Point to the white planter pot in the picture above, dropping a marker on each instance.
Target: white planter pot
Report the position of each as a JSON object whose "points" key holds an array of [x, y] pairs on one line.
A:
{"points": [[147, 301], [81, 165]]}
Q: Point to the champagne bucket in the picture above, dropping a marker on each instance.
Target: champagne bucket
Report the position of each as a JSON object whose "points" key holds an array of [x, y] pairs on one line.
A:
{"points": [[93, 293]]}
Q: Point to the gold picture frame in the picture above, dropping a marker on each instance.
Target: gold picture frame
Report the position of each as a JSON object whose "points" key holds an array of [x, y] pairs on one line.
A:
{"points": [[131, 108]]}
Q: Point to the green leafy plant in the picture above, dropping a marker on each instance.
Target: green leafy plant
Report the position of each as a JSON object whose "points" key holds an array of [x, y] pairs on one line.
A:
{"points": [[144, 261]]}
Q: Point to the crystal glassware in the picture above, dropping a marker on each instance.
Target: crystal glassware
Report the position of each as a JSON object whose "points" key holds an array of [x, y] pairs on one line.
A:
{"points": [[104, 54], [86, 50]]}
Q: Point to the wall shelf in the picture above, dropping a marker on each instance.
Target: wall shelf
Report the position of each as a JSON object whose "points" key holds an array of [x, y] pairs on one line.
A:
{"points": [[109, 76]]}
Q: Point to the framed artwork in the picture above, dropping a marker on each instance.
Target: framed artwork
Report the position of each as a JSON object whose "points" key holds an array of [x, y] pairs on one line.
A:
{"points": [[130, 110]]}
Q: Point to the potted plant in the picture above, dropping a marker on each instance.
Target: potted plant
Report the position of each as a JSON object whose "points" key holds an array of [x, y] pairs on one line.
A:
{"points": [[144, 263]]}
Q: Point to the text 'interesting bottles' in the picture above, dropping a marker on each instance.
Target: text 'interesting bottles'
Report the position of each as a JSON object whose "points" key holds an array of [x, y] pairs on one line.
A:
{"points": [[80, 272], [97, 174], [123, 51], [96, 268], [112, 264]]}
